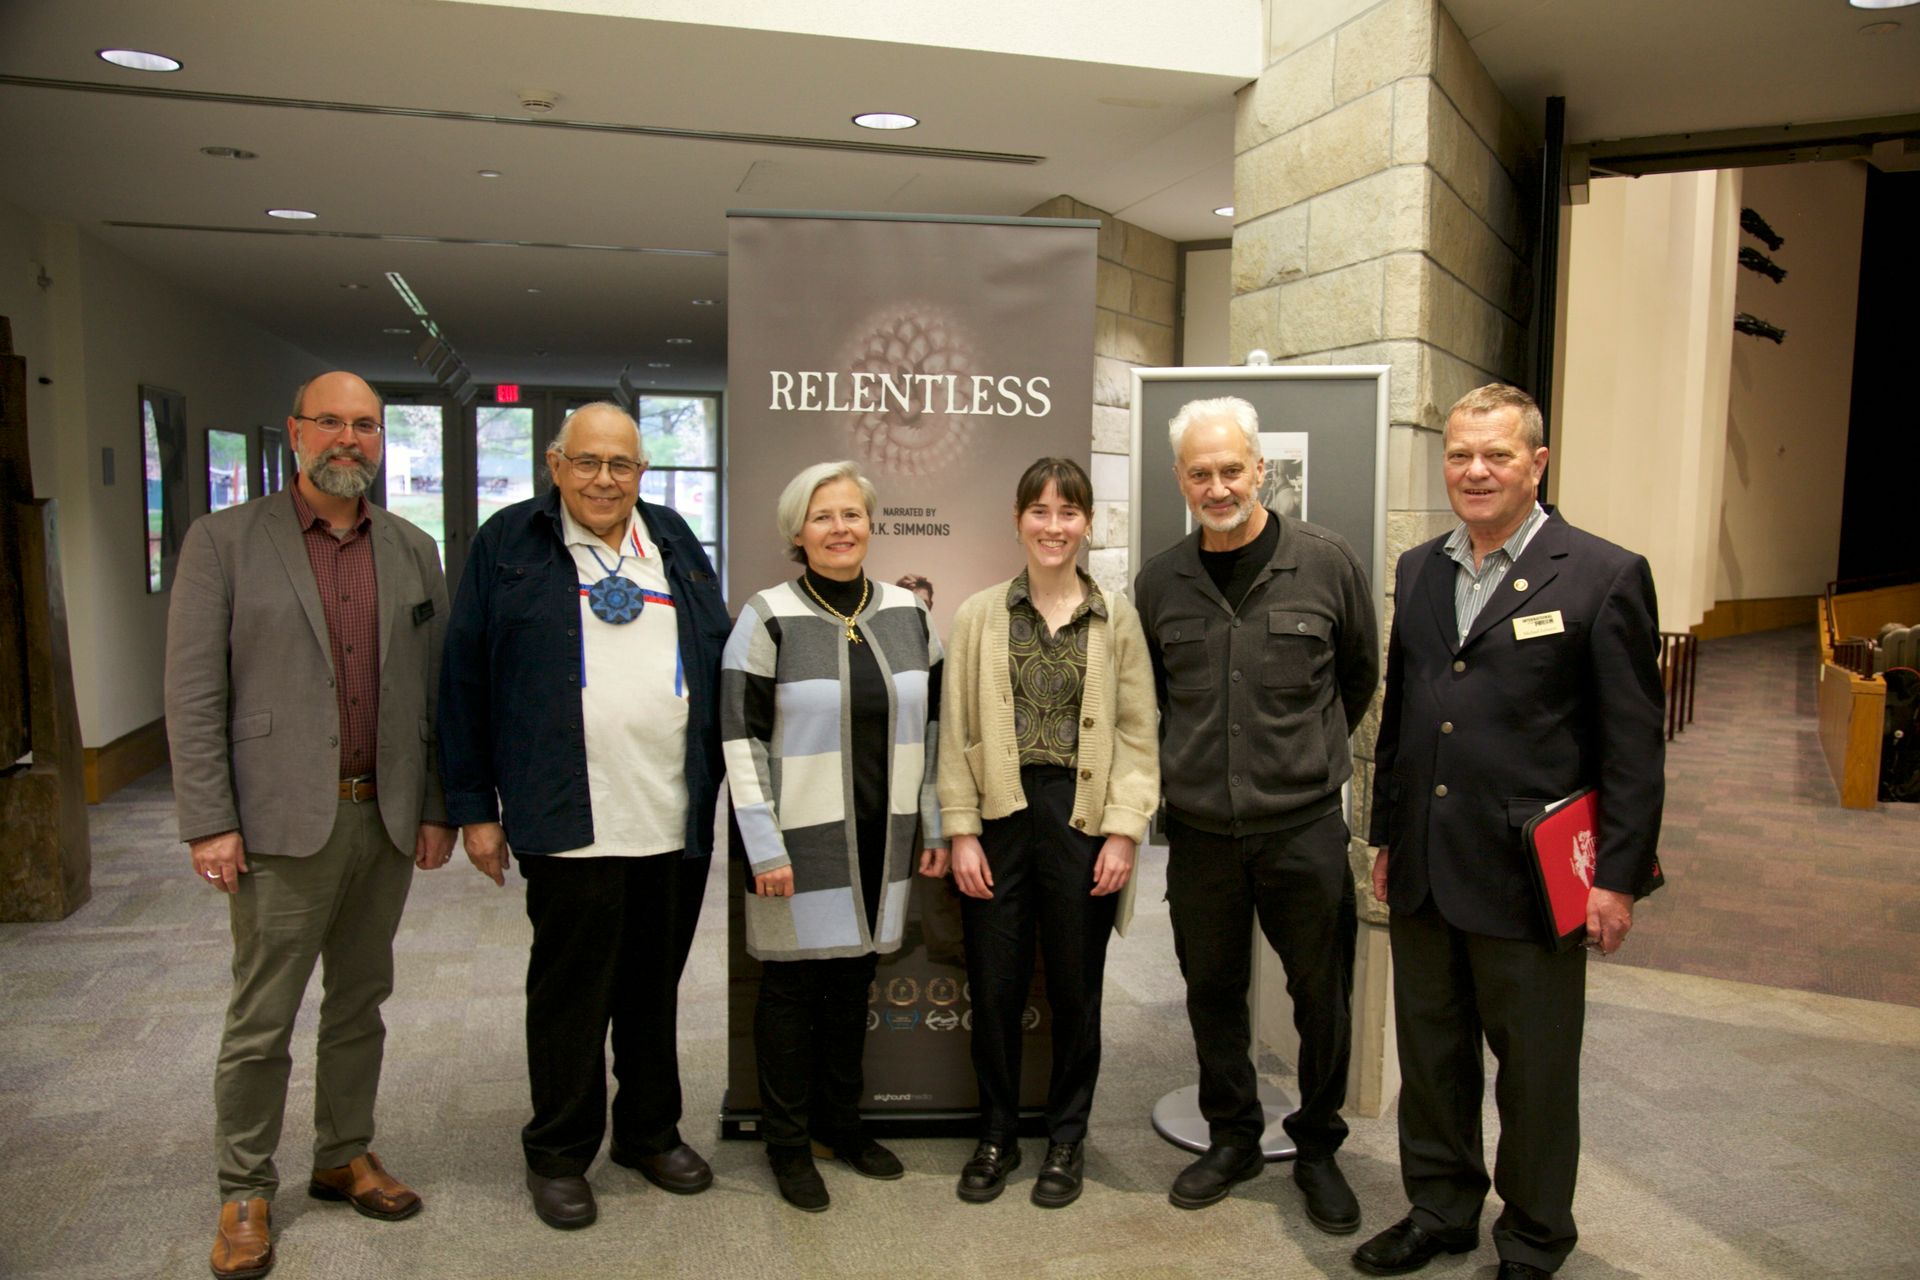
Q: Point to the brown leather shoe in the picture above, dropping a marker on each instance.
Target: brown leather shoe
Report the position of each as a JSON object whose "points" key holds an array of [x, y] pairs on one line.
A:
{"points": [[365, 1184], [241, 1248]]}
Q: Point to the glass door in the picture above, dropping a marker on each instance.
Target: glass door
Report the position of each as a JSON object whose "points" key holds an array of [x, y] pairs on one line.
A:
{"points": [[415, 469]]}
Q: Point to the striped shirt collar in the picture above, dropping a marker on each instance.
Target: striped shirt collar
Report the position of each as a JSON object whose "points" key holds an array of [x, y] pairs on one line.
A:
{"points": [[1459, 544]]}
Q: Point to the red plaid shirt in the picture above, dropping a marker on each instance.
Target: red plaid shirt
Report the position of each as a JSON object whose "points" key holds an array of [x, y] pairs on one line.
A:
{"points": [[349, 596]]}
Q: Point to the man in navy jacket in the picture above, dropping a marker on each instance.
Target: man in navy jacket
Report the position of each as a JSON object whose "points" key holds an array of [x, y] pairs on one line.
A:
{"points": [[579, 728], [1522, 666]]}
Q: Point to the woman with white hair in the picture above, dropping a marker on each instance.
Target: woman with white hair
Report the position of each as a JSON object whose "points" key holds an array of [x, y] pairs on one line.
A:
{"points": [[829, 689]]}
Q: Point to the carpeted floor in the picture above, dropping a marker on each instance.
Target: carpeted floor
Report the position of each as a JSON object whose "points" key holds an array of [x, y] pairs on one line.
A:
{"points": [[1769, 880], [1731, 1130]]}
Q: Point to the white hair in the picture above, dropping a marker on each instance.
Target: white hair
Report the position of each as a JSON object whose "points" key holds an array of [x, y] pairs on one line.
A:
{"points": [[791, 514], [565, 436], [1233, 408]]}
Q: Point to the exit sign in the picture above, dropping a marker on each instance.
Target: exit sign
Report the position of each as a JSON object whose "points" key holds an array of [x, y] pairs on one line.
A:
{"points": [[507, 393]]}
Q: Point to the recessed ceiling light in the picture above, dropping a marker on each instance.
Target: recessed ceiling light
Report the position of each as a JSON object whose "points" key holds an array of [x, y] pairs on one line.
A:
{"points": [[703, 302], [140, 60], [1879, 28], [488, 173], [659, 364], [396, 330], [353, 286], [884, 120], [229, 153], [1882, 4], [678, 342], [1225, 211], [530, 289], [297, 215]]}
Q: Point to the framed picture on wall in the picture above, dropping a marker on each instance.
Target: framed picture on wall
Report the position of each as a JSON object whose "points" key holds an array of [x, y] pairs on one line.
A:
{"points": [[163, 489], [229, 478], [1323, 435]]}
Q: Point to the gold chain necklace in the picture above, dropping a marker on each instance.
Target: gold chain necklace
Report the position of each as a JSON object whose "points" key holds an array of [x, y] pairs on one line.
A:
{"points": [[866, 586]]}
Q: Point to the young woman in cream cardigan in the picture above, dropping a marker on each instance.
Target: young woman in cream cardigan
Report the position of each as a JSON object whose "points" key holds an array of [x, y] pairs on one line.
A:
{"points": [[1048, 772]]}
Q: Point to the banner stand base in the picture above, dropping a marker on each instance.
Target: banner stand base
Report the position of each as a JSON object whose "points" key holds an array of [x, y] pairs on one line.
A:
{"points": [[1177, 1118], [744, 1123]]}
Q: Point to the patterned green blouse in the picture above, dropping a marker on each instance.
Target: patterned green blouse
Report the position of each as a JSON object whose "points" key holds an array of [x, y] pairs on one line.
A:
{"points": [[1048, 672]]}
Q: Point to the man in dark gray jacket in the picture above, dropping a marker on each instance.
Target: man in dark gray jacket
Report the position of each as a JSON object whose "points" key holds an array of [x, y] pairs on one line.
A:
{"points": [[1265, 653]]}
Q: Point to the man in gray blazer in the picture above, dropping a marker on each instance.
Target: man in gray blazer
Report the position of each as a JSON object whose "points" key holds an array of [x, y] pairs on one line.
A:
{"points": [[303, 656]]}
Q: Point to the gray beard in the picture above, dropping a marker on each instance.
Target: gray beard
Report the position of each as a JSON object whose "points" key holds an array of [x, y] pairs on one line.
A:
{"points": [[342, 482], [1241, 514]]}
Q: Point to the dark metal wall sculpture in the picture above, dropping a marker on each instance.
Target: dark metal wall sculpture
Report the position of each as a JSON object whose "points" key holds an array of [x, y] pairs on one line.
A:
{"points": [[1753, 260], [45, 858]]}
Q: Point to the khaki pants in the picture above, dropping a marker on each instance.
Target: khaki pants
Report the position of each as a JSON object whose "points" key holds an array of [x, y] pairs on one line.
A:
{"points": [[340, 906]]}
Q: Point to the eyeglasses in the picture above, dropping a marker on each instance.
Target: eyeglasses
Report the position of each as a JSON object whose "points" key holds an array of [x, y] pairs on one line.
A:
{"points": [[587, 467], [365, 428]]}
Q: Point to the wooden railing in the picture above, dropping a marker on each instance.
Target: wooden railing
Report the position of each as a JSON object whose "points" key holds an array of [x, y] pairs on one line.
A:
{"points": [[1678, 653]]}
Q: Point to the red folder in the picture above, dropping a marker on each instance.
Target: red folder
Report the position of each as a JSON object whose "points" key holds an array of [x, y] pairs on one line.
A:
{"points": [[1563, 842]]}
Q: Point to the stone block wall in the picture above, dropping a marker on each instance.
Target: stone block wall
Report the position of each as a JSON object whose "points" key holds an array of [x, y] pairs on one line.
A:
{"points": [[1133, 326], [1383, 191]]}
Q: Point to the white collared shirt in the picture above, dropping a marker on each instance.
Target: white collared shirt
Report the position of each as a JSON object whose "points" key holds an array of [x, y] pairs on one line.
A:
{"points": [[633, 705]]}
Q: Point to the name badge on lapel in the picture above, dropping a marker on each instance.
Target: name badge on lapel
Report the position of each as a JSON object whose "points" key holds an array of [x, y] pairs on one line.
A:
{"points": [[422, 612], [1539, 624]]}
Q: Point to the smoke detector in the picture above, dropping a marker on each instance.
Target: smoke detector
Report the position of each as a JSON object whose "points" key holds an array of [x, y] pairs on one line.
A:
{"points": [[538, 101]]}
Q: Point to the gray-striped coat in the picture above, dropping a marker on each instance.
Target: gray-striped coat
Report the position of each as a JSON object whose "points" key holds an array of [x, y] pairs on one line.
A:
{"points": [[784, 721]]}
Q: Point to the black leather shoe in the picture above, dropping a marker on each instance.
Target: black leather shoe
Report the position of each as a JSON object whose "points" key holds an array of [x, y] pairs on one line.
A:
{"points": [[565, 1204], [800, 1183], [1406, 1246], [864, 1156], [985, 1175], [1059, 1182], [1511, 1270], [680, 1170], [1330, 1202], [1207, 1180]]}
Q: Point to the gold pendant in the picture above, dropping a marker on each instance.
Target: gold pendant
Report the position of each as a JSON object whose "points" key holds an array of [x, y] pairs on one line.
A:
{"points": [[851, 637]]}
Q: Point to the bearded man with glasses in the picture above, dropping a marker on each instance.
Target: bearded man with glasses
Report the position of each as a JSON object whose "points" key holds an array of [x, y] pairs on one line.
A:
{"points": [[303, 654], [580, 730]]}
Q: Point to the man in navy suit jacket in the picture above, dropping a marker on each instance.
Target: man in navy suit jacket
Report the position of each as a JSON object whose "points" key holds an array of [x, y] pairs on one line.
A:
{"points": [[1523, 665]]}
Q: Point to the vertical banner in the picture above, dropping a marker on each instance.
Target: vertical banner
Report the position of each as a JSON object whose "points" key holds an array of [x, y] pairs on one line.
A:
{"points": [[942, 355]]}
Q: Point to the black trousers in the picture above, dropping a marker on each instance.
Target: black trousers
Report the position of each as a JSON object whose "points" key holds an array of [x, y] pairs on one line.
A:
{"points": [[1297, 883], [610, 938], [1042, 882], [809, 1037], [1450, 989]]}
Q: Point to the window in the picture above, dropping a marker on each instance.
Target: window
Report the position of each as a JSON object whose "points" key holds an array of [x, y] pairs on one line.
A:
{"points": [[682, 438]]}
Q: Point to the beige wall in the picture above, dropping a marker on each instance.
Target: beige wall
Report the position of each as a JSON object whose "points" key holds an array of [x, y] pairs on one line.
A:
{"points": [[1133, 325], [1209, 292], [1786, 457], [99, 330], [1640, 439]]}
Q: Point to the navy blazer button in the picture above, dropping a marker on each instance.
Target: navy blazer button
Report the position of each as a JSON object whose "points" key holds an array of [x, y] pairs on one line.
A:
{"points": [[1441, 791], [1446, 726], [1459, 666]]}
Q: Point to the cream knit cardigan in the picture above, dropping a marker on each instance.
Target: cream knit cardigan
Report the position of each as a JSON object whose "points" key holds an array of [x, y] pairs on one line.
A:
{"points": [[1119, 754]]}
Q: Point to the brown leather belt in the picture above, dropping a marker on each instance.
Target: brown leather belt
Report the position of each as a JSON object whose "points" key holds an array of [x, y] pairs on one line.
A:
{"points": [[358, 789]]}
